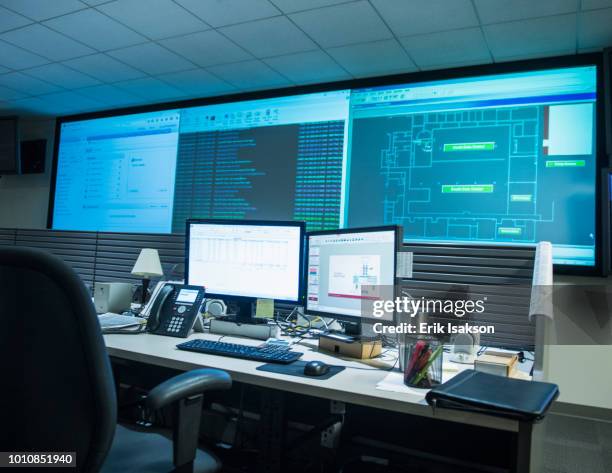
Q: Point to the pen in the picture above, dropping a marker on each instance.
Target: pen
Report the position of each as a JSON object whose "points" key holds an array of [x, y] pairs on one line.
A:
{"points": [[419, 377]]}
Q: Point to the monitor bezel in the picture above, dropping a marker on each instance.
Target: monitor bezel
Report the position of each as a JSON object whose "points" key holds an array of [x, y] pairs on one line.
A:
{"points": [[595, 59], [231, 222], [342, 231]]}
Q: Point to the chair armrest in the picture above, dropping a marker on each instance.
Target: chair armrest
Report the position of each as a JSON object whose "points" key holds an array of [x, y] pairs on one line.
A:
{"points": [[190, 383]]}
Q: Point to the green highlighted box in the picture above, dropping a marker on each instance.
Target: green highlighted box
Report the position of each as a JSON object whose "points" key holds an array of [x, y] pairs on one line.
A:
{"points": [[467, 188], [480, 146], [570, 163], [509, 231], [521, 198]]}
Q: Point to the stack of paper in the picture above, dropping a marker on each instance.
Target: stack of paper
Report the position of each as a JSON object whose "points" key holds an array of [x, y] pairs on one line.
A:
{"points": [[112, 322]]}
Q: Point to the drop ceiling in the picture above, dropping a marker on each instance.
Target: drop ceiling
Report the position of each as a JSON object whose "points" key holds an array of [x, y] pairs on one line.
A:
{"points": [[60, 57]]}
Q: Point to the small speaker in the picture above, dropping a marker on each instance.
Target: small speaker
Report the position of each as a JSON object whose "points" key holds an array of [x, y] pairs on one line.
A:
{"points": [[33, 154], [113, 296], [215, 307], [465, 346]]}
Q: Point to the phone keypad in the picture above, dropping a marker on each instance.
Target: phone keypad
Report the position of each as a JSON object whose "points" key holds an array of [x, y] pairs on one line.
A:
{"points": [[175, 324]]}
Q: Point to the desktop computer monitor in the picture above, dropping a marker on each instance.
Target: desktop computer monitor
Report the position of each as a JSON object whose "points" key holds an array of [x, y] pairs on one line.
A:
{"points": [[345, 265], [241, 261]]}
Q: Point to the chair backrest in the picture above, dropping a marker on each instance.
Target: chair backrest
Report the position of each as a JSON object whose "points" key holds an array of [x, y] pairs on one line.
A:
{"points": [[58, 391]]}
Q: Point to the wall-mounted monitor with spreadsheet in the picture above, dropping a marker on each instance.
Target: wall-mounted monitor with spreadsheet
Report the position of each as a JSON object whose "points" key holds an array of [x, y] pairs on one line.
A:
{"points": [[501, 155]]}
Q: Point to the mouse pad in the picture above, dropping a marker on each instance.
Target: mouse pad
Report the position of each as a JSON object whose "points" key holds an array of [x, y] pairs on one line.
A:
{"points": [[297, 369]]}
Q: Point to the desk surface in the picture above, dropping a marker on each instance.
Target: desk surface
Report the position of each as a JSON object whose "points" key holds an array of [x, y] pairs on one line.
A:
{"points": [[356, 384]]}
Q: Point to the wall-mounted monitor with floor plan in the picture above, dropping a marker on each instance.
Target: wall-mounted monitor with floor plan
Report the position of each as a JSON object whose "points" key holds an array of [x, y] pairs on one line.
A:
{"points": [[501, 159]]}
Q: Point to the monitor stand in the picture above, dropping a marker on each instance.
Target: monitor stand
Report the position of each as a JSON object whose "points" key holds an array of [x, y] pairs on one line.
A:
{"points": [[360, 330], [243, 314], [243, 324], [358, 341]]}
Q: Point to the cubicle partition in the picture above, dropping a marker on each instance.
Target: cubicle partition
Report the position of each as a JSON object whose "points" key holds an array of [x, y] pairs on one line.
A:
{"points": [[97, 256], [501, 274]]}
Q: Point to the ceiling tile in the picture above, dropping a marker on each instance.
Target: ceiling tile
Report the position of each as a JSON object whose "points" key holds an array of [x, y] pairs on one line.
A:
{"points": [[208, 48], [104, 68], [10, 94], [197, 82], [34, 105], [312, 66], [543, 35], [150, 88], [342, 24], [269, 37], [292, 6], [10, 20], [227, 12], [368, 59], [17, 58], [63, 76], [4, 69], [26, 84], [595, 29], [95, 29], [593, 4], [249, 75], [447, 48], [495, 11], [95, 2], [151, 58], [163, 18], [110, 95], [426, 16], [70, 102], [42, 9], [588, 50], [48, 43]]}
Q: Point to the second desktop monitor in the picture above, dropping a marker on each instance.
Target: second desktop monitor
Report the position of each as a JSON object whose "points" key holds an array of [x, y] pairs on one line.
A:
{"points": [[343, 265]]}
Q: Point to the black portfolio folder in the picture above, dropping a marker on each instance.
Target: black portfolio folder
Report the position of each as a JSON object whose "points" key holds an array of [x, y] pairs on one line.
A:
{"points": [[494, 395]]}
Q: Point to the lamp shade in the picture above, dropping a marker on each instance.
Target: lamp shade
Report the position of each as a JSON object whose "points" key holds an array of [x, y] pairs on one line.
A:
{"points": [[148, 264]]}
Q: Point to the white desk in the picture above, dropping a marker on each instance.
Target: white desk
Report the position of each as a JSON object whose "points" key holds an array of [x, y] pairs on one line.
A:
{"points": [[355, 385]]}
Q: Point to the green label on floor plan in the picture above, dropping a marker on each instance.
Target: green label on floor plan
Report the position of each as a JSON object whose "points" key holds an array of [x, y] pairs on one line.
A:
{"points": [[481, 146], [570, 163], [467, 188], [509, 230], [520, 198]]}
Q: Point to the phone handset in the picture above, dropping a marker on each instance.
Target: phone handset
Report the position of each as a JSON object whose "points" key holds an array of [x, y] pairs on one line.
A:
{"points": [[156, 308]]}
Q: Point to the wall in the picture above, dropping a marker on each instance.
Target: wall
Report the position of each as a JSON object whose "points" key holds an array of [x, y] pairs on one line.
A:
{"points": [[578, 349], [24, 199]]}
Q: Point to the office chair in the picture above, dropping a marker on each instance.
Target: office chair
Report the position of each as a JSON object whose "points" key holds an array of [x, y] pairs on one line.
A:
{"points": [[58, 393]]}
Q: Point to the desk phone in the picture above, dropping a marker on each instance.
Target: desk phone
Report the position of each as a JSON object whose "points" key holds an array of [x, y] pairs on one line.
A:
{"points": [[175, 310]]}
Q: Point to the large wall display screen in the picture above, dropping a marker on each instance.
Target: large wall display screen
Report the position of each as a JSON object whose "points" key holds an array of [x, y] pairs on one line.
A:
{"points": [[504, 159]]}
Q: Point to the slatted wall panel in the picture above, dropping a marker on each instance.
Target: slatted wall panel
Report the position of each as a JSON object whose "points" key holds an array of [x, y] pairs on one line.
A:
{"points": [[117, 252], [501, 274], [7, 236], [78, 249]]}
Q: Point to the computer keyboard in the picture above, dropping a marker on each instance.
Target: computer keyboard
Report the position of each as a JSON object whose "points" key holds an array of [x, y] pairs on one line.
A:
{"points": [[268, 353]]}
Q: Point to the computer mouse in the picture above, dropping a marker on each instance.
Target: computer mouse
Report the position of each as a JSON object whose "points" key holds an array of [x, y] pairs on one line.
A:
{"points": [[316, 368]]}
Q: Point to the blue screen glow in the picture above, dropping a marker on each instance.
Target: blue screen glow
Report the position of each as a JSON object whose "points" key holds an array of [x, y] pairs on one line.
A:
{"points": [[501, 159]]}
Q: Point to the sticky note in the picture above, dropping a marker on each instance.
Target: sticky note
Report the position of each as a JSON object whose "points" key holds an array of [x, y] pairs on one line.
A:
{"points": [[265, 308]]}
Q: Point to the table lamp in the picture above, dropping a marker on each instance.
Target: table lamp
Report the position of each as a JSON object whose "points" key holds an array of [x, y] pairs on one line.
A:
{"points": [[147, 265]]}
